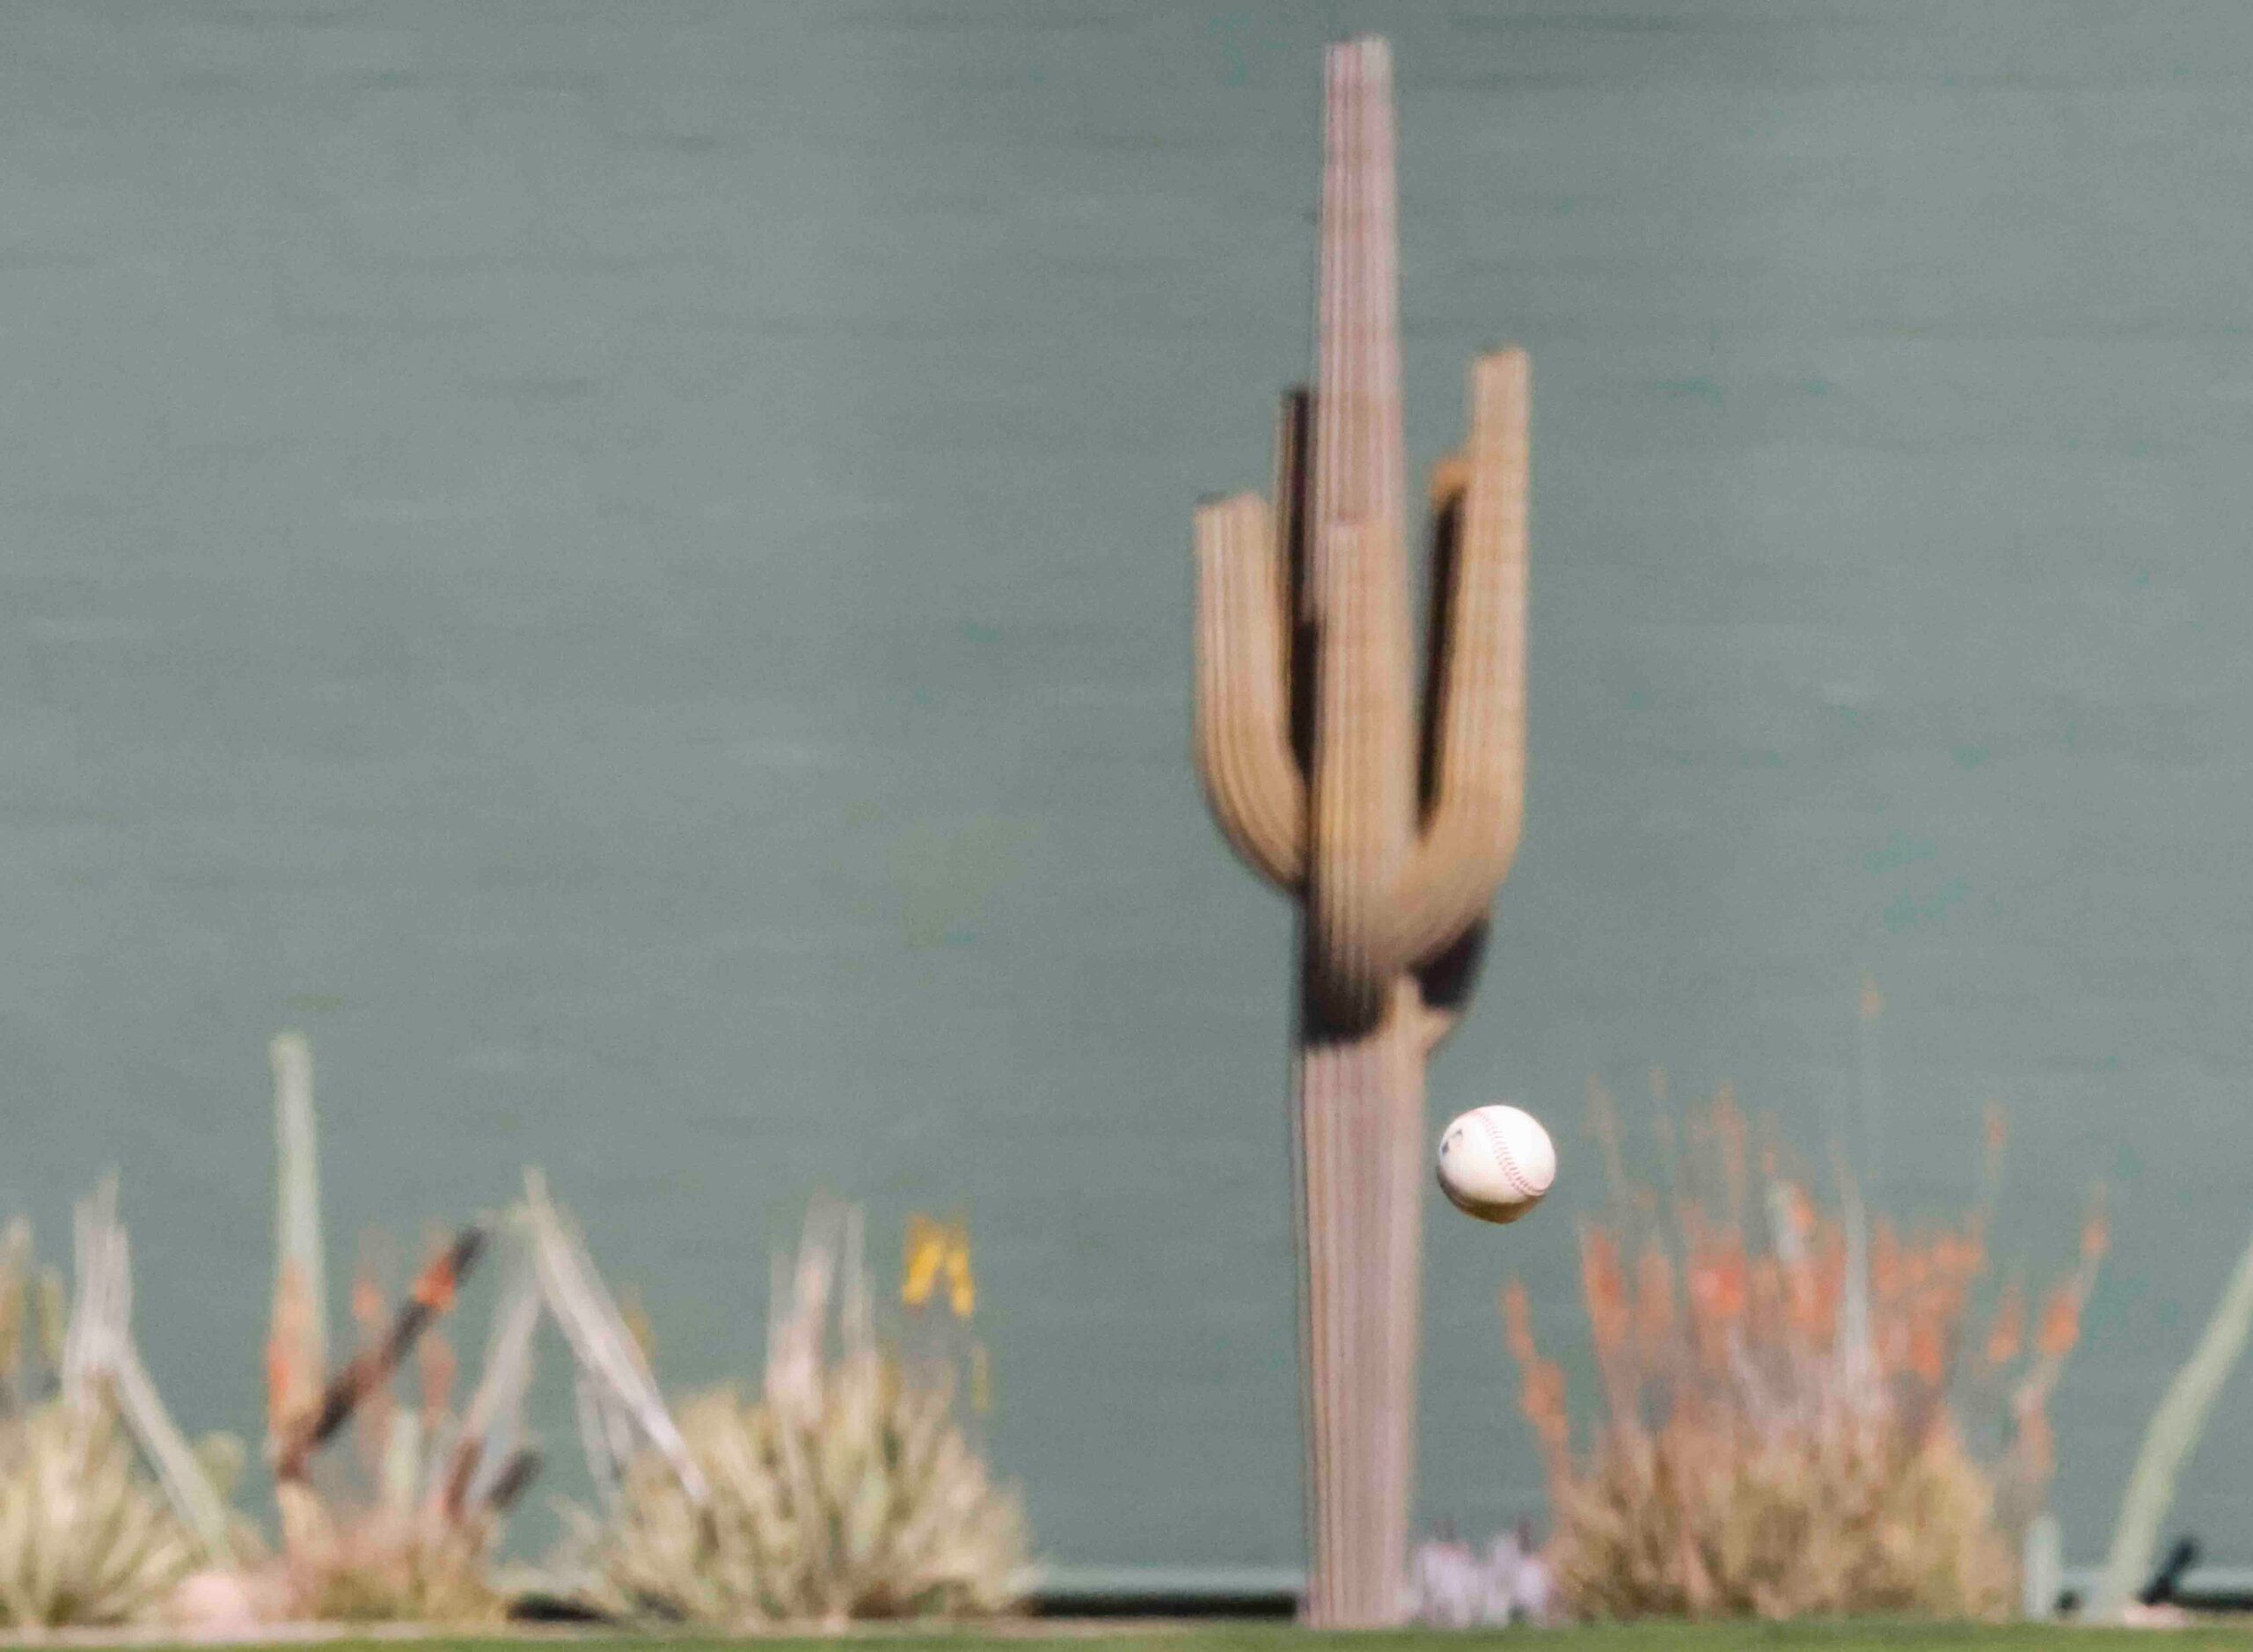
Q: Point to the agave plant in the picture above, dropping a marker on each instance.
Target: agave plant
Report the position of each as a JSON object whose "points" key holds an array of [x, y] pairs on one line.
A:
{"points": [[34, 1321], [88, 1534], [847, 1488], [84, 1537], [413, 1540], [411, 1535]]}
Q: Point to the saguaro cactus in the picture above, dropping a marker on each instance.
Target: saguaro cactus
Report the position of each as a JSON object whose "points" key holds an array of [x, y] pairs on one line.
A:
{"points": [[1390, 821]]}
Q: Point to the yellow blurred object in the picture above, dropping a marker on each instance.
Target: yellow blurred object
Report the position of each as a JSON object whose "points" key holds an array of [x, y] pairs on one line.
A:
{"points": [[933, 1249], [925, 1252], [961, 1289]]}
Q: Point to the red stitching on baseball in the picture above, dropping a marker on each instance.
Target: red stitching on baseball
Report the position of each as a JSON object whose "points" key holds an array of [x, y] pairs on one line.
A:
{"points": [[1519, 1177]]}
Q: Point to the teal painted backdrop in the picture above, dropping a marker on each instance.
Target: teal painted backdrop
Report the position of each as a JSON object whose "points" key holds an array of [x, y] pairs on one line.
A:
{"points": [[624, 566]]}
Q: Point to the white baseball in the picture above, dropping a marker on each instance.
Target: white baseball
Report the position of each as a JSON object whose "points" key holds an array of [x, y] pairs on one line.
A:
{"points": [[1496, 1163]]}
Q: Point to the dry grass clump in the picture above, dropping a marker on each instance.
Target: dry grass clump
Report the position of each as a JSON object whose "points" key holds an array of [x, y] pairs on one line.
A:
{"points": [[848, 1487], [104, 1508], [1804, 1410], [86, 1539], [851, 1487], [404, 1529]]}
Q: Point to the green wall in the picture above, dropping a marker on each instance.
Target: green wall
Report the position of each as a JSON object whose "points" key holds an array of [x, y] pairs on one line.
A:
{"points": [[624, 566]]}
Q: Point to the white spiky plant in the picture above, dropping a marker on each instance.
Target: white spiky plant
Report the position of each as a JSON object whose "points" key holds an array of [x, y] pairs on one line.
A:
{"points": [[2169, 1438], [104, 1508], [416, 1538], [86, 1539], [846, 1488]]}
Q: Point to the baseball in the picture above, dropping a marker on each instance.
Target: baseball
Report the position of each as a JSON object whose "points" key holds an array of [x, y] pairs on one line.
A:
{"points": [[1496, 1163]]}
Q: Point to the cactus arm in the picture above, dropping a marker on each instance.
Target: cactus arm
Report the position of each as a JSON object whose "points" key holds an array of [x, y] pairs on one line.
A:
{"points": [[1243, 702], [1363, 802], [1477, 716]]}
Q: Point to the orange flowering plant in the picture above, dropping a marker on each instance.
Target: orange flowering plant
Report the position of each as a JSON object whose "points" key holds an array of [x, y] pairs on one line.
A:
{"points": [[1802, 1410], [414, 1543]]}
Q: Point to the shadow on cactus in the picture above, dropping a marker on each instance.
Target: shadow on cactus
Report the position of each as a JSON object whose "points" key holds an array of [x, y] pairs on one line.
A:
{"points": [[1803, 1412], [849, 1488]]}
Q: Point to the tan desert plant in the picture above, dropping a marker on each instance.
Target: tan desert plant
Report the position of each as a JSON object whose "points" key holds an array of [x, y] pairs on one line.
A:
{"points": [[387, 1564], [847, 1488], [409, 1536], [105, 1508], [1705, 1517], [1788, 1394], [406, 1533], [407, 1528], [85, 1537], [35, 1319]]}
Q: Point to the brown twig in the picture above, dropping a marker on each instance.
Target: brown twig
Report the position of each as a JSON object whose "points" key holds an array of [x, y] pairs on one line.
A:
{"points": [[372, 1369]]}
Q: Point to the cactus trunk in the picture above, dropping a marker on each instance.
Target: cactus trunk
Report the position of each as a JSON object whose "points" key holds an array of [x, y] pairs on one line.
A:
{"points": [[1361, 1160], [1389, 822]]}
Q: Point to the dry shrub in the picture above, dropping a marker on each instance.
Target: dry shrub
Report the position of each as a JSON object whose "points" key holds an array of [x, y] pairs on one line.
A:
{"points": [[1804, 1410], [383, 1565], [850, 1487], [100, 1521], [405, 1530], [85, 1537]]}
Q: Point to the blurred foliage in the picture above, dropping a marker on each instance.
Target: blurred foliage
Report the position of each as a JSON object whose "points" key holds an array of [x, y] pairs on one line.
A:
{"points": [[2169, 1439], [848, 1488], [85, 1537], [403, 1528], [1782, 1427]]}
